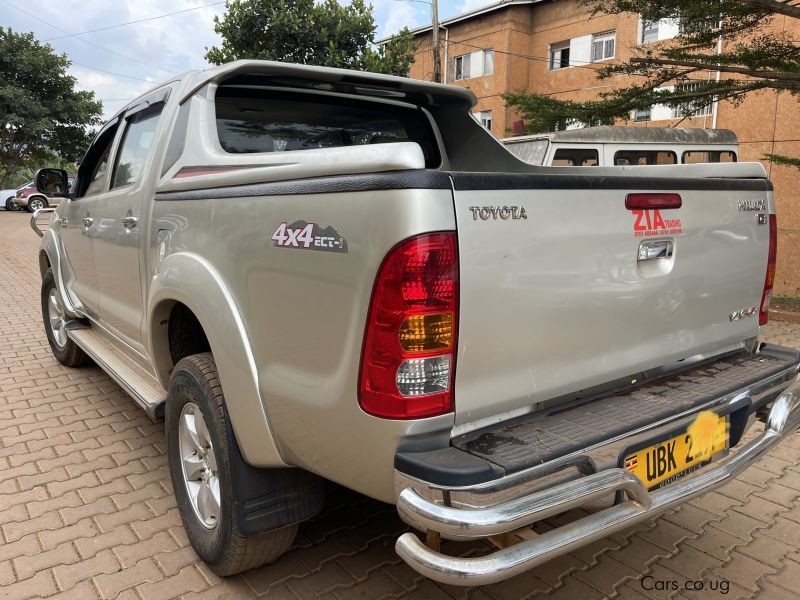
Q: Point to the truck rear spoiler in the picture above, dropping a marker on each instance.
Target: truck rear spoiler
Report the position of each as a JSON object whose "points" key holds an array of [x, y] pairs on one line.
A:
{"points": [[344, 80]]}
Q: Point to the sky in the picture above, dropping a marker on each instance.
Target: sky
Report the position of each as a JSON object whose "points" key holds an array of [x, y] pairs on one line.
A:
{"points": [[120, 63]]}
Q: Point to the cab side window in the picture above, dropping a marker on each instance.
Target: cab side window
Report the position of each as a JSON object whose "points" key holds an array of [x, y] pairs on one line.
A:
{"points": [[575, 157], [691, 157], [98, 176], [645, 157], [135, 146], [92, 173]]}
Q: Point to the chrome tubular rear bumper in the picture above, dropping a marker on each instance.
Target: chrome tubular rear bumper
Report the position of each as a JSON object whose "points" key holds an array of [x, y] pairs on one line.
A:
{"points": [[472, 523]]}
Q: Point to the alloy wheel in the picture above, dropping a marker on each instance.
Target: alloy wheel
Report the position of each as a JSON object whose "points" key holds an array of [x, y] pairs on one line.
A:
{"points": [[199, 465], [58, 322]]}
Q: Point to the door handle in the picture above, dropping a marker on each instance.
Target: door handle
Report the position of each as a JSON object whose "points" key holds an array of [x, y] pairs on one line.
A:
{"points": [[88, 222], [129, 222], [64, 222], [655, 250]]}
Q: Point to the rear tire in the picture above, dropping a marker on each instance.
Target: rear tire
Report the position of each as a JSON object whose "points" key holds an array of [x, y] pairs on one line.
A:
{"points": [[201, 475], [10, 205], [66, 351]]}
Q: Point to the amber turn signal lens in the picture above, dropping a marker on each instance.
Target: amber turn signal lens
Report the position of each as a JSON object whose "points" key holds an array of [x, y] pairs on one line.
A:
{"points": [[420, 333]]}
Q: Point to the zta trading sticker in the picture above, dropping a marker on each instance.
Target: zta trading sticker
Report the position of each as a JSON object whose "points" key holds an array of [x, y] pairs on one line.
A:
{"points": [[650, 223], [308, 236]]}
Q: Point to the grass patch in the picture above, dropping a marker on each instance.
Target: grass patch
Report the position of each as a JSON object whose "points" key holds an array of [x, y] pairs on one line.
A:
{"points": [[787, 302]]}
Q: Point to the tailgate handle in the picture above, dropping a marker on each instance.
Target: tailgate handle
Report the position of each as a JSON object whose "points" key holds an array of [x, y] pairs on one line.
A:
{"points": [[654, 250]]}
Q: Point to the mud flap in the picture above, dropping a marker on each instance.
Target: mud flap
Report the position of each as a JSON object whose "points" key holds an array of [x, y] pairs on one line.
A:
{"points": [[266, 499]]}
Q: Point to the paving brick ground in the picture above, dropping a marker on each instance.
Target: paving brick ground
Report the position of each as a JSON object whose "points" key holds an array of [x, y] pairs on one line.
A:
{"points": [[86, 507]]}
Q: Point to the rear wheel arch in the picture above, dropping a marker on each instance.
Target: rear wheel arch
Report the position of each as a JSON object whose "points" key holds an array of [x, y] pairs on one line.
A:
{"points": [[44, 262], [178, 334], [188, 289]]}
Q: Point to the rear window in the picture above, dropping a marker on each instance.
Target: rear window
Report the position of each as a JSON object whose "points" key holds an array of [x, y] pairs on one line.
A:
{"points": [[645, 157], [263, 120], [691, 157], [575, 157]]}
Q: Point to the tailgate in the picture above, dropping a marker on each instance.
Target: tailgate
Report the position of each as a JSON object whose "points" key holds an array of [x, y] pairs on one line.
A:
{"points": [[554, 297]]}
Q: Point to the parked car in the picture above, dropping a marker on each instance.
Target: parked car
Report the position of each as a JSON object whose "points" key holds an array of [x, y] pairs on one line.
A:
{"points": [[7, 199], [317, 274], [608, 145], [32, 199]]}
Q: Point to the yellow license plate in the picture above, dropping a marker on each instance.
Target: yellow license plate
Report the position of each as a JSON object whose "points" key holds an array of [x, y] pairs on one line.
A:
{"points": [[662, 463]]}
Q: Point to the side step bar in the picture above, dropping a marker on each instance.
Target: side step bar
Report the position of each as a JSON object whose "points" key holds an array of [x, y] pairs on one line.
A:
{"points": [[145, 390]]}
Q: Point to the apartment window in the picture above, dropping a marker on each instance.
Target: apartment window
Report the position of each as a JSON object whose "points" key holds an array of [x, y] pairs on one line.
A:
{"points": [[474, 64], [694, 108], [488, 61], [565, 124], [702, 26], [642, 114], [484, 117], [461, 68], [649, 31], [603, 46], [559, 56]]}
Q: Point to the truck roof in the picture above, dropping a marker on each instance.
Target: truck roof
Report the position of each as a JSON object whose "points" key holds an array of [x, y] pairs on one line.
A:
{"points": [[619, 134]]}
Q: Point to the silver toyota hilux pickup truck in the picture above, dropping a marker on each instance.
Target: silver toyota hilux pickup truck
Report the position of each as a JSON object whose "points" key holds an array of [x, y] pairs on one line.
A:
{"points": [[316, 274]]}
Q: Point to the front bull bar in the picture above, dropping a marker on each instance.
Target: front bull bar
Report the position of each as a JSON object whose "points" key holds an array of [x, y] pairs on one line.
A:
{"points": [[783, 419]]}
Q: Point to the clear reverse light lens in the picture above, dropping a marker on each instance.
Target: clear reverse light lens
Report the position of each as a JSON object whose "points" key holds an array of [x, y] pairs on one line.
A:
{"points": [[419, 376]]}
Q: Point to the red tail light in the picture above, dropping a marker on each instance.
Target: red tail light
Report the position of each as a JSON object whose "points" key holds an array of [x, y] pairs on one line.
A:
{"points": [[769, 280], [408, 361], [652, 201]]}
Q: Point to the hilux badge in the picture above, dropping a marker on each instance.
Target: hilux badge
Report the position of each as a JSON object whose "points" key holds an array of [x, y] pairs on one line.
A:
{"points": [[751, 205]]}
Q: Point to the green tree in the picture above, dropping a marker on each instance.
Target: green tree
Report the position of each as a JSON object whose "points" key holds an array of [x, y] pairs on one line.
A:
{"points": [[42, 116], [311, 33], [25, 174], [755, 56]]}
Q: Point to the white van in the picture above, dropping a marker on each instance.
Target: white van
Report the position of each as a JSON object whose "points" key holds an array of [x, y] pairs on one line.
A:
{"points": [[615, 146]]}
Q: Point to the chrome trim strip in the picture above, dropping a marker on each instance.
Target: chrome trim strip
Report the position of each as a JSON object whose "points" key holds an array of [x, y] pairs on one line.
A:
{"points": [[784, 418]]}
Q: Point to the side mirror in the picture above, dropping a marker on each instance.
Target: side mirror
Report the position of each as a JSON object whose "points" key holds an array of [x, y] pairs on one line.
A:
{"points": [[52, 182]]}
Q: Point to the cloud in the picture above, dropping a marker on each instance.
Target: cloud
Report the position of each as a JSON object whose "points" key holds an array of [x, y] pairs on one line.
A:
{"points": [[153, 50], [398, 15], [115, 92], [468, 5], [157, 49]]}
